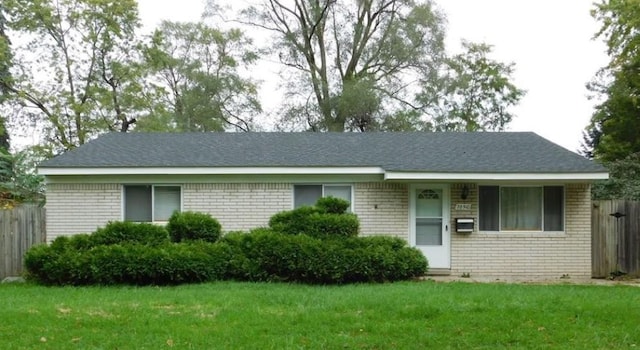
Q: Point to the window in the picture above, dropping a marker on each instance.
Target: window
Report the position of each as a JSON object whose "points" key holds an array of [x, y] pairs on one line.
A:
{"points": [[531, 208], [148, 203], [309, 194]]}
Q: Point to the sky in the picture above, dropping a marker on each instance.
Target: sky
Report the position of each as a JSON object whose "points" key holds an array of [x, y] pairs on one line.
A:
{"points": [[550, 42]]}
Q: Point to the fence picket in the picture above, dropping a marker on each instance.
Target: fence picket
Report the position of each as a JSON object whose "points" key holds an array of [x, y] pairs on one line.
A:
{"points": [[20, 228], [615, 240]]}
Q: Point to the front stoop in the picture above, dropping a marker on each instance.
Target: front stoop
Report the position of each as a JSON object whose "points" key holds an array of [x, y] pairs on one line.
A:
{"points": [[439, 272]]}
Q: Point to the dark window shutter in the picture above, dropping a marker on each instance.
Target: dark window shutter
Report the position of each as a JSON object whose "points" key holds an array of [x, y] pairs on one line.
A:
{"points": [[489, 208], [553, 208]]}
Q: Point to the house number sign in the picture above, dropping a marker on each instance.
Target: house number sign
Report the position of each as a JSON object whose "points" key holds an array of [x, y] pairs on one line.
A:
{"points": [[463, 206]]}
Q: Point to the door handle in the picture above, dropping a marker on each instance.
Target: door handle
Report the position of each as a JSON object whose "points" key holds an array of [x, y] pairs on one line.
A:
{"points": [[446, 227]]}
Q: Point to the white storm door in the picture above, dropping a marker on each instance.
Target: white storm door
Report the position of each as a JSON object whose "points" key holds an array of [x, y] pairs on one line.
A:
{"points": [[430, 223]]}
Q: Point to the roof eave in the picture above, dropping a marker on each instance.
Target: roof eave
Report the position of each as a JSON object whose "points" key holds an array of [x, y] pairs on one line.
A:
{"points": [[50, 171], [431, 176], [388, 175]]}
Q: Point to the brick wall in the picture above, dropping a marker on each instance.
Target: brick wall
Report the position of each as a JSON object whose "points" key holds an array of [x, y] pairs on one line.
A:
{"points": [[382, 208], [238, 206], [81, 208], [525, 254]]}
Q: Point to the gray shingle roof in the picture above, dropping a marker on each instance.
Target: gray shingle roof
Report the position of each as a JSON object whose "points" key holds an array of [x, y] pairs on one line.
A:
{"points": [[486, 152]]}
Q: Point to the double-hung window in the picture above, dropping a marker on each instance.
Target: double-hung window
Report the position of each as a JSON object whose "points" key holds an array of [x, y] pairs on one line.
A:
{"points": [[521, 208], [309, 194], [149, 203]]}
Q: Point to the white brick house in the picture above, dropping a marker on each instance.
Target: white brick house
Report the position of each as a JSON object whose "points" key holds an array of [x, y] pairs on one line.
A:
{"points": [[528, 199]]}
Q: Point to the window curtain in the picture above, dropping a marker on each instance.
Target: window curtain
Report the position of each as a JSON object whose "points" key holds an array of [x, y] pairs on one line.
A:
{"points": [[137, 203], [166, 201], [521, 208], [306, 195]]}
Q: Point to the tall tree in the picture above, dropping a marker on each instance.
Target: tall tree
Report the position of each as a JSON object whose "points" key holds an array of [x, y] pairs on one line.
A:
{"points": [[352, 63], [615, 124], [197, 71], [379, 65], [5, 77], [475, 93], [71, 78]]}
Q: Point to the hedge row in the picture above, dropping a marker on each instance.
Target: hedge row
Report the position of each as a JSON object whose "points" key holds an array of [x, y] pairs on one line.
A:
{"points": [[328, 218], [261, 255]]}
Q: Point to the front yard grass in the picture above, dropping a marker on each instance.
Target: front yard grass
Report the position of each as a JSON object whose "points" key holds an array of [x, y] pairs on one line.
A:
{"points": [[408, 315]]}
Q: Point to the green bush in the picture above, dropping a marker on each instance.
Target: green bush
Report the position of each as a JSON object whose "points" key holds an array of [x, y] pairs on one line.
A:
{"points": [[315, 222], [274, 256], [117, 232], [192, 226], [294, 221], [129, 264], [332, 205], [57, 265], [331, 225]]}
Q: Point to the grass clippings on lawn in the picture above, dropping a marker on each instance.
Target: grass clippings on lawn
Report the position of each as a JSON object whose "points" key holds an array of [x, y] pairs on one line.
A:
{"points": [[409, 315]]}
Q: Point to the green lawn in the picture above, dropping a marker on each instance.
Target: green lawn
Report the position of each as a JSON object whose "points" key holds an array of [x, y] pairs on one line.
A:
{"points": [[410, 315]]}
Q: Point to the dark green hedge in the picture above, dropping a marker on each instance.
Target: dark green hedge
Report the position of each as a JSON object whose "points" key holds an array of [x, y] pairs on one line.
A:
{"points": [[261, 255], [315, 222], [117, 232], [193, 226], [171, 263]]}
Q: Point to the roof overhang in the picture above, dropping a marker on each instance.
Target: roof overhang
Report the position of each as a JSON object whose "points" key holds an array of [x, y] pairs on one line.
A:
{"points": [[388, 175], [395, 175], [213, 171]]}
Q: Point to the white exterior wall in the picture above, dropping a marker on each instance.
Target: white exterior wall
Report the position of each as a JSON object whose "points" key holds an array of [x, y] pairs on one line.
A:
{"points": [[81, 208], [537, 254], [382, 208], [238, 206]]}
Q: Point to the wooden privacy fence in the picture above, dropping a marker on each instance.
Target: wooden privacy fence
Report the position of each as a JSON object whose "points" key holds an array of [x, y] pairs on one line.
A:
{"points": [[20, 228], [615, 245]]}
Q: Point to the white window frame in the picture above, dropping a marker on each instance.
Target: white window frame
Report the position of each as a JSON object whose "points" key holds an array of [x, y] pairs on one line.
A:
{"points": [[542, 186], [153, 199], [351, 200]]}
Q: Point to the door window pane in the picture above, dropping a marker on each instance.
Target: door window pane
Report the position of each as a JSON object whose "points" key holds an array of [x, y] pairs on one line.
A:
{"points": [[137, 203], [429, 231], [521, 208], [429, 203], [166, 201], [306, 195]]}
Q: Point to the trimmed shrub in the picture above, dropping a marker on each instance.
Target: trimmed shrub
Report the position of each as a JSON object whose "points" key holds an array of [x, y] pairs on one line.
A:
{"points": [[274, 256], [314, 222], [332, 205], [294, 221], [192, 226], [330, 225], [129, 264], [117, 232], [57, 265]]}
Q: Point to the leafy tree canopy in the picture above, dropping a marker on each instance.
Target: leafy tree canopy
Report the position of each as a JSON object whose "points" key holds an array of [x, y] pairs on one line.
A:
{"points": [[379, 65], [615, 124]]}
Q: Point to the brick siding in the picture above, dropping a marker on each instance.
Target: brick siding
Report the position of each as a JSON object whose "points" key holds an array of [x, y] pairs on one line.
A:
{"points": [[383, 209], [238, 206], [525, 254], [81, 208]]}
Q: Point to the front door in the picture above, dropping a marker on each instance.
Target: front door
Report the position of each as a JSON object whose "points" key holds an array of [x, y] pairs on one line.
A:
{"points": [[430, 223]]}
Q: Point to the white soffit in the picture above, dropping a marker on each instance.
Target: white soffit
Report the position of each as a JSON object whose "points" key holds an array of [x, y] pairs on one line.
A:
{"points": [[388, 175], [391, 175], [214, 171]]}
